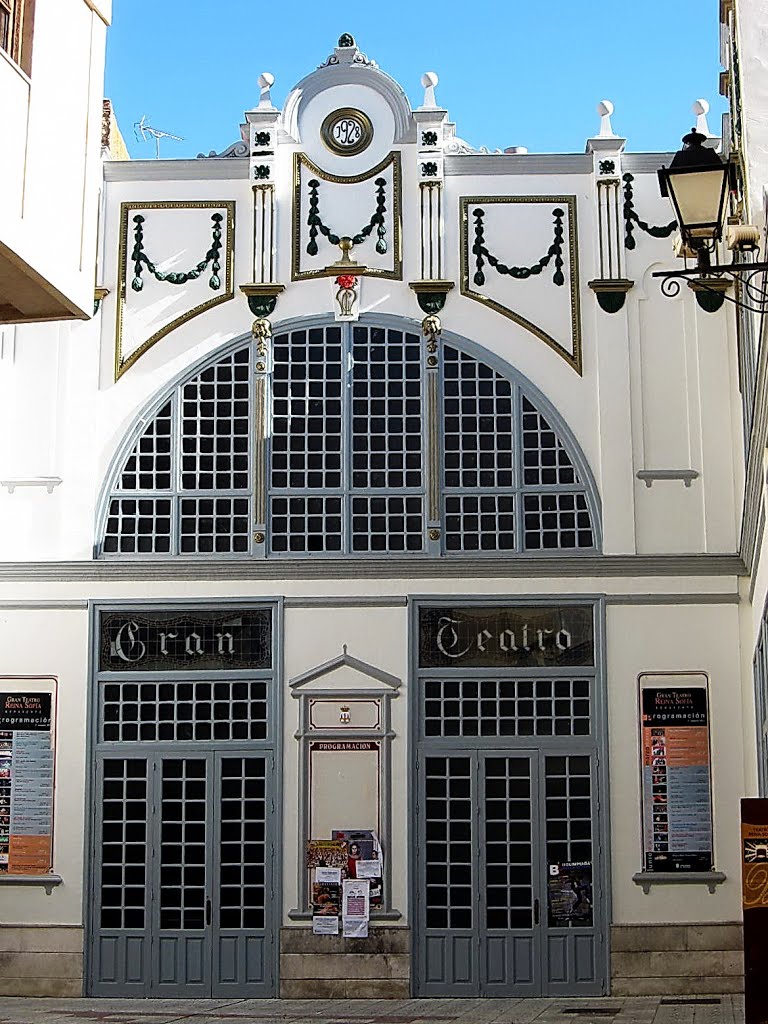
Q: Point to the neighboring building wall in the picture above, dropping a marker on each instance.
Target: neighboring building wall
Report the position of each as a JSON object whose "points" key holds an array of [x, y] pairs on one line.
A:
{"points": [[50, 172]]}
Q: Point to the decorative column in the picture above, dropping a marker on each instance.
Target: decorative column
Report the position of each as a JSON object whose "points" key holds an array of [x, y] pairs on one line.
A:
{"points": [[431, 289], [260, 134], [606, 148]]}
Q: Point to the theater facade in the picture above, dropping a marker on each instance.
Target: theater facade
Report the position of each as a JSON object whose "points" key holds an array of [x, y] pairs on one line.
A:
{"points": [[385, 492]]}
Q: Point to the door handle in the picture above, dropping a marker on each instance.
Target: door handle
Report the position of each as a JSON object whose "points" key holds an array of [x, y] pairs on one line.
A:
{"points": [[535, 911], [207, 911]]}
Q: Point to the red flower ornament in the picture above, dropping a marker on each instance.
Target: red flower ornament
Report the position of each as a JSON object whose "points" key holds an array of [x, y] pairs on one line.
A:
{"points": [[347, 281]]}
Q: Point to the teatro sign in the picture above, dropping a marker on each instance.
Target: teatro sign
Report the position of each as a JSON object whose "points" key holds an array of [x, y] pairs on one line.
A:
{"points": [[504, 637]]}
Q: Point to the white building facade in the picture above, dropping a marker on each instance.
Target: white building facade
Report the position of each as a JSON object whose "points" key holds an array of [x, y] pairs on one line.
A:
{"points": [[388, 492]]}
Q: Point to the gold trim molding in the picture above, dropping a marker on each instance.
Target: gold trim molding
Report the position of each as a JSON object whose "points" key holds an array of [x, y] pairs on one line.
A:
{"points": [[392, 160], [228, 292], [573, 359]]}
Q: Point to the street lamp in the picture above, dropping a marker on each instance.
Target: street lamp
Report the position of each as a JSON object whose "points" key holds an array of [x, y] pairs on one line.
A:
{"points": [[697, 183]]}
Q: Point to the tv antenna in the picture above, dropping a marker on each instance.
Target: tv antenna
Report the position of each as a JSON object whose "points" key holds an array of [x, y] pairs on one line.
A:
{"points": [[142, 129]]}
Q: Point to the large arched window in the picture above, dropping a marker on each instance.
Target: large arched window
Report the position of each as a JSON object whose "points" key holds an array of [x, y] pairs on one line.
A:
{"points": [[352, 441]]}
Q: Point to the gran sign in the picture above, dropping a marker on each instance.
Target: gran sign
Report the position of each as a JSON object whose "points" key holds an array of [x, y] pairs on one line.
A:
{"points": [[164, 640], [502, 637]]}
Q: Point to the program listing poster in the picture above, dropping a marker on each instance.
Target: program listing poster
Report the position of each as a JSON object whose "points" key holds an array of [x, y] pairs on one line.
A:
{"points": [[26, 783], [677, 810]]}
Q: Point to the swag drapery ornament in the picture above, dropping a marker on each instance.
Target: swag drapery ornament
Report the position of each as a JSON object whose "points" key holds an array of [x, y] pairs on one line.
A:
{"points": [[212, 258], [315, 221], [632, 220], [555, 251]]}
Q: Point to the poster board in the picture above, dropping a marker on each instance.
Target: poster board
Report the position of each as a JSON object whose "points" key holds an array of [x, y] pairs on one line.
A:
{"points": [[26, 781], [676, 776]]}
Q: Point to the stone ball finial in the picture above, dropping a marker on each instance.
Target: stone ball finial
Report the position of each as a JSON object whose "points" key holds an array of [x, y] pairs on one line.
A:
{"points": [[700, 108], [346, 40], [605, 109], [266, 80], [429, 78]]}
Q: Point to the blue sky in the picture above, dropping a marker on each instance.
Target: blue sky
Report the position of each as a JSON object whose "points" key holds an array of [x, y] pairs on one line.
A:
{"points": [[512, 72]]}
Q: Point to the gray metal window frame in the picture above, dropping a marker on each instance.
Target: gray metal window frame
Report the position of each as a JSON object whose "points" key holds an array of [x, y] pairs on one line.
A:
{"points": [[272, 746], [597, 743], [521, 386]]}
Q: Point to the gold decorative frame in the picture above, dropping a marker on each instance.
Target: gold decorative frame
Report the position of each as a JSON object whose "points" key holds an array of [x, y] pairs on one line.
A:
{"points": [[573, 359], [350, 113], [121, 365], [392, 160]]}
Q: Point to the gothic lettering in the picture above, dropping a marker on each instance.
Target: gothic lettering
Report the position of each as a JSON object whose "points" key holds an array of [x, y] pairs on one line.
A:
{"points": [[127, 646]]}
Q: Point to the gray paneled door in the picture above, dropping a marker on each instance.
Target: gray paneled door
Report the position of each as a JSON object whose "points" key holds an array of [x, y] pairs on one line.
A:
{"points": [[183, 875], [492, 825]]}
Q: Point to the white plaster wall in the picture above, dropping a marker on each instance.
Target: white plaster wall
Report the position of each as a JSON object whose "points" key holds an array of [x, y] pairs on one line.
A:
{"points": [[50, 136], [54, 643], [674, 639]]}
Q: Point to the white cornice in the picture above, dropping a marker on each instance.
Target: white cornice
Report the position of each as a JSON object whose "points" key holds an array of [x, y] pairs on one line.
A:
{"points": [[201, 169], [210, 569], [515, 164]]}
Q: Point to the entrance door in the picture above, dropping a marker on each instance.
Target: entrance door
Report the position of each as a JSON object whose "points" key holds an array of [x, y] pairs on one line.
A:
{"points": [[506, 900], [183, 883]]}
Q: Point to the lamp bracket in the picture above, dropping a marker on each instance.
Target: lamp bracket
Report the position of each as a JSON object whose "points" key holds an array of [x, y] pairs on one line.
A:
{"points": [[711, 286]]}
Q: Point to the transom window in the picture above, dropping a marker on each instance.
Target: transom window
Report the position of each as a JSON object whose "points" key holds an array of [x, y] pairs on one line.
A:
{"points": [[348, 439]]}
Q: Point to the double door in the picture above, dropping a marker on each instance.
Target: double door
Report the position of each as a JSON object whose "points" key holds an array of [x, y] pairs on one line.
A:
{"points": [[509, 894], [183, 875]]}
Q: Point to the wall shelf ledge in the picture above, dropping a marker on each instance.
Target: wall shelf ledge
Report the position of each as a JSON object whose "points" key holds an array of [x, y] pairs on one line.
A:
{"points": [[49, 881], [646, 879]]}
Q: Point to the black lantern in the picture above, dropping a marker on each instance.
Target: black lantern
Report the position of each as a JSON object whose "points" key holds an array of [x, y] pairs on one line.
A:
{"points": [[697, 182]]}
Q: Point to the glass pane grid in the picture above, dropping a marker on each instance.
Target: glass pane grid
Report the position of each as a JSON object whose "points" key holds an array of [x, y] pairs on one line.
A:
{"points": [[508, 842], [479, 522], [449, 892], [218, 525], [557, 521], [149, 467], [386, 409], [545, 461], [303, 524], [242, 849], [507, 707], [478, 423], [139, 526], [215, 426], [568, 790], [183, 809], [122, 871], [388, 523], [182, 711], [307, 410]]}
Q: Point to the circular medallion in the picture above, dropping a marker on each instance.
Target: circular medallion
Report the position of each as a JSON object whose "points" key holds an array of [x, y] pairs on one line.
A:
{"points": [[347, 131]]}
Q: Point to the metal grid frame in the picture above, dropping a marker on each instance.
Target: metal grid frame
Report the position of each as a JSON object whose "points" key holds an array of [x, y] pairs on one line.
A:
{"points": [[200, 500], [176, 710], [493, 706], [512, 478], [509, 842], [123, 793]]}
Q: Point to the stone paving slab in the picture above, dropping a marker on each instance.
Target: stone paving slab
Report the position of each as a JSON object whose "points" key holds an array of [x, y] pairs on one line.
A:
{"points": [[611, 1010]]}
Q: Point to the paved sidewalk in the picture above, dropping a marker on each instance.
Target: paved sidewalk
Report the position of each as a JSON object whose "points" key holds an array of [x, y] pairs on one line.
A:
{"points": [[609, 1010]]}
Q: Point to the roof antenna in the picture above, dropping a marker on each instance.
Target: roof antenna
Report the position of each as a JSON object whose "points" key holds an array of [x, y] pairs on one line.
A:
{"points": [[142, 129]]}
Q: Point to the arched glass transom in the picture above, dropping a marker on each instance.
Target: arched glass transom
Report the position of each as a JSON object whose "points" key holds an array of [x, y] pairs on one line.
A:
{"points": [[349, 440]]}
